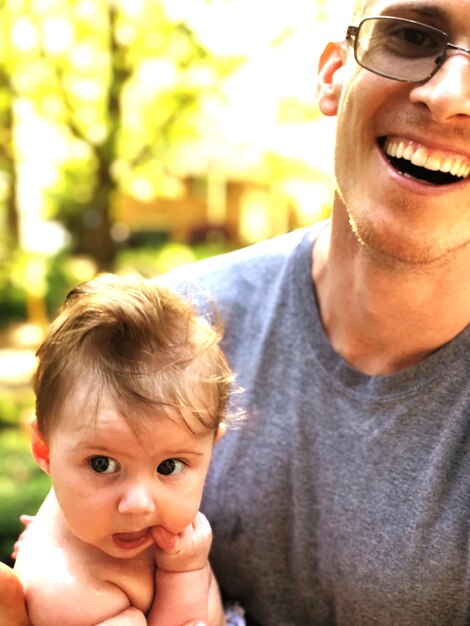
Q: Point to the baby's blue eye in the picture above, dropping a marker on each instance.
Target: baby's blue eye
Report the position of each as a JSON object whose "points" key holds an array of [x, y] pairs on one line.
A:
{"points": [[103, 464], [170, 467]]}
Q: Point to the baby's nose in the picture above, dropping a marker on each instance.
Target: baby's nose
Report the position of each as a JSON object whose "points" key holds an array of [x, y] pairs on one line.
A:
{"points": [[137, 498]]}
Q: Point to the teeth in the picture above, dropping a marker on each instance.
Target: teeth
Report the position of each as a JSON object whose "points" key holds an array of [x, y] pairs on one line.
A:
{"points": [[433, 163], [446, 165], [419, 158], [454, 170], [409, 150], [430, 159], [464, 171]]}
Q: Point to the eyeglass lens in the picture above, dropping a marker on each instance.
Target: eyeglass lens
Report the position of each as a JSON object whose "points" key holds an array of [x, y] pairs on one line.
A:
{"points": [[398, 48]]}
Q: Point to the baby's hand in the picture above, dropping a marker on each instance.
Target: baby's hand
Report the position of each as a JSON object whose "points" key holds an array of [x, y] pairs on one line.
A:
{"points": [[26, 520], [186, 551]]}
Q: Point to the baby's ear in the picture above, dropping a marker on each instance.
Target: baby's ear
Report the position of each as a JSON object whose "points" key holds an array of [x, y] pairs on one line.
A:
{"points": [[39, 449]]}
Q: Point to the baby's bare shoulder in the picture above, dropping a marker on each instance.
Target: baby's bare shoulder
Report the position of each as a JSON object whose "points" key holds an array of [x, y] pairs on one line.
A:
{"points": [[55, 601]]}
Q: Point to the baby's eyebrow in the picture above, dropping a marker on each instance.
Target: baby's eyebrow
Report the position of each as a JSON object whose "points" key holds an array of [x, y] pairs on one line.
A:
{"points": [[182, 452], [89, 444]]}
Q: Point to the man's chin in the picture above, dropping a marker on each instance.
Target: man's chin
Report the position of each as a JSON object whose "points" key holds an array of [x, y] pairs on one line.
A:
{"points": [[403, 250]]}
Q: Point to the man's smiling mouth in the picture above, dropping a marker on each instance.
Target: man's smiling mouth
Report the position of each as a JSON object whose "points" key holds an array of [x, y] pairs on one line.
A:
{"points": [[423, 164]]}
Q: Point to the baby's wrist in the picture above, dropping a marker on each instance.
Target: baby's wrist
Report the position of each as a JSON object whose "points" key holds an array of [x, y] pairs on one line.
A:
{"points": [[183, 568]]}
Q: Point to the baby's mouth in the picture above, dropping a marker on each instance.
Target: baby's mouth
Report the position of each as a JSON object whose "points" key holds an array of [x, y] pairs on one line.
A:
{"points": [[132, 540], [415, 161]]}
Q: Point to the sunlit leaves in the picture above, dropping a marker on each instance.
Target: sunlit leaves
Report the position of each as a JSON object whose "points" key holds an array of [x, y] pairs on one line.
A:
{"points": [[123, 96]]}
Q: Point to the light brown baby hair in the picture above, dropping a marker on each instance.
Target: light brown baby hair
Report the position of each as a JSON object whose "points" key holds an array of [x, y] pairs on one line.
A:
{"points": [[144, 347]]}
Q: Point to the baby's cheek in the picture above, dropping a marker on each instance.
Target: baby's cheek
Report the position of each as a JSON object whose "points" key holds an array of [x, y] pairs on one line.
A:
{"points": [[181, 515]]}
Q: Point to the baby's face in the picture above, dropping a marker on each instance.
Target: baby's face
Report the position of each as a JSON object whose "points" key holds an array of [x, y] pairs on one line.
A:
{"points": [[113, 485]]}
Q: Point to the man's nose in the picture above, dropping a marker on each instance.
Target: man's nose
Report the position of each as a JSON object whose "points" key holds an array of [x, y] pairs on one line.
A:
{"points": [[137, 498], [447, 93]]}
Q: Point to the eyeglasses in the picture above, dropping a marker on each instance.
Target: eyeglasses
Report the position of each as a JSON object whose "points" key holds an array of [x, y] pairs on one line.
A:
{"points": [[399, 48]]}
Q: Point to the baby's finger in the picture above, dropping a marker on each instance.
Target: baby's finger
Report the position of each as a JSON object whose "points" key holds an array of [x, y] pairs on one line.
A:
{"points": [[200, 520], [26, 519], [201, 523], [16, 547], [165, 540], [202, 531]]}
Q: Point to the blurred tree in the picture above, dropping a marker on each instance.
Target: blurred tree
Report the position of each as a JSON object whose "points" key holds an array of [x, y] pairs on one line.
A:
{"points": [[7, 163], [119, 86], [10, 232]]}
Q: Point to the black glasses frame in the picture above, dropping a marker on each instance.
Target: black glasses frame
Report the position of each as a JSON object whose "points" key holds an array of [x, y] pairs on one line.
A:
{"points": [[353, 32]]}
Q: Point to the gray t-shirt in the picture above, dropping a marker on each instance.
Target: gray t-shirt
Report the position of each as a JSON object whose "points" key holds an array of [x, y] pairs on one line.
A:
{"points": [[344, 498]]}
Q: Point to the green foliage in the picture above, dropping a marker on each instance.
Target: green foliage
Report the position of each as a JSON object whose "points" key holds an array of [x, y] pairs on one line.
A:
{"points": [[24, 275], [153, 260], [64, 273], [23, 486], [120, 98], [14, 404], [150, 261], [12, 299], [117, 87]]}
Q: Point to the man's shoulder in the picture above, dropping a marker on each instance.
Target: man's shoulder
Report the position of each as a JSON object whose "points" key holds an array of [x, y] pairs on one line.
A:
{"points": [[238, 269]]}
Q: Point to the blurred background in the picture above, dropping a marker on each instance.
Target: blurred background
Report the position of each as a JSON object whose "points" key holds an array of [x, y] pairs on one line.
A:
{"points": [[137, 135]]}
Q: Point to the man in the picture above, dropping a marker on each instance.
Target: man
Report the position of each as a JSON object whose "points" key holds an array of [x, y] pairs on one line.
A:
{"points": [[344, 497]]}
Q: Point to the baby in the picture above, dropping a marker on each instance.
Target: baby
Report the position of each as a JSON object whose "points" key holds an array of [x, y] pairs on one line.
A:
{"points": [[131, 393]]}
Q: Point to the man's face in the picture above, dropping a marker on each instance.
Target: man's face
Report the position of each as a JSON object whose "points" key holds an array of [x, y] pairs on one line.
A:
{"points": [[400, 212]]}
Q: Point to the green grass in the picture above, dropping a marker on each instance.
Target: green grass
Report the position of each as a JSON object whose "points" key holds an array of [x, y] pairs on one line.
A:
{"points": [[23, 486]]}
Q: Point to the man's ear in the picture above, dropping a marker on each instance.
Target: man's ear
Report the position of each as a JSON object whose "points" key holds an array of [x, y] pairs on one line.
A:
{"points": [[221, 430], [39, 449], [329, 77]]}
